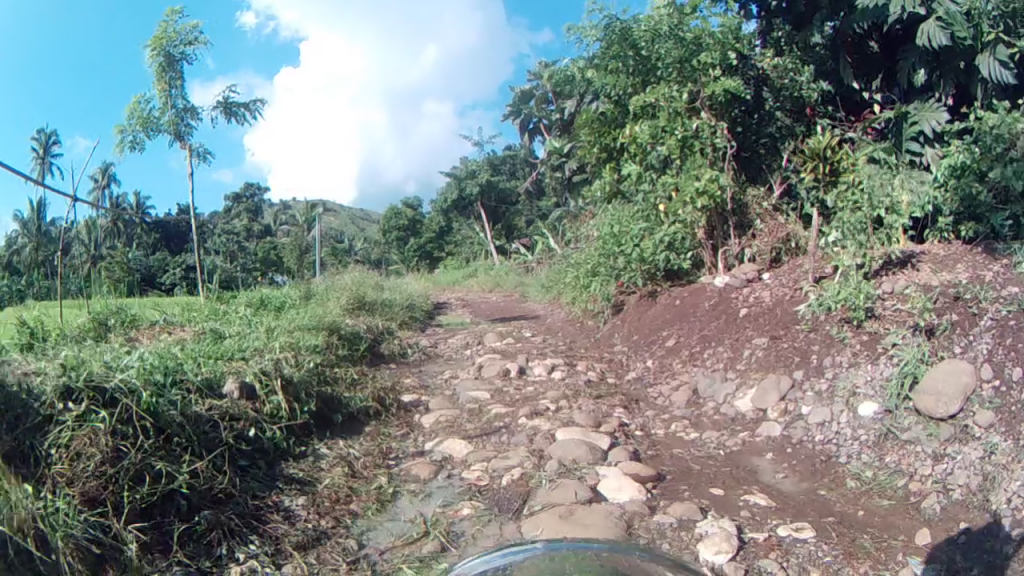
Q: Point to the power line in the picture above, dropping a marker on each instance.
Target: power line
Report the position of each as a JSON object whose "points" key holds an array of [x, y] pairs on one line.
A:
{"points": [[49, 188]]}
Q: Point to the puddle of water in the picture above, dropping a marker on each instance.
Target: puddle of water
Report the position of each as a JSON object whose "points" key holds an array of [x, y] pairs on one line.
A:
{"points": [[403, 519]]}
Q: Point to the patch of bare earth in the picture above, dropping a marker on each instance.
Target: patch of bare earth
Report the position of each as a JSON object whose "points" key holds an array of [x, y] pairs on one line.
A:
{"points": [[717, 425]]}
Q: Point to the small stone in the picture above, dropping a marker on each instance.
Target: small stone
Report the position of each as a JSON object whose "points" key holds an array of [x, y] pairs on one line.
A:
{"points": [[819, 415], [509, 460], [798, 530], [432, 418], [455, 447], [474, 396], [777, 411], [411, 400], [680, 397], [616, 487], [602, 441], [944, 390], [586, 419], [1017, 374], [759, 499], [514, 370], [719, 541], [901, 286], [717, 491], [769, 567], [984, 418], [868, 408], [575, 451], [563, 492], [641, 473], [543, 370], [986, 372], [420, 470], [770, 390], [492, 339], [622, 454], [887, 287], [664, 520], [768, 429], [441, 403], [551, 467], [923, 537], [598, 521], [237, 389], [684, 511], [476, 477], [734, 569], [494, 369]]}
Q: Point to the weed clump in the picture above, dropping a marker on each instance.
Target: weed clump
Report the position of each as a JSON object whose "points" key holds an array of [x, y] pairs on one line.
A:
{"points": [[125, 454]]}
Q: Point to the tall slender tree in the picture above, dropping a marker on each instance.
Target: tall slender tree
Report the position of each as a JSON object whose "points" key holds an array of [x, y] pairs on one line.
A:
{"points": [[45, 152], [167, 112]]}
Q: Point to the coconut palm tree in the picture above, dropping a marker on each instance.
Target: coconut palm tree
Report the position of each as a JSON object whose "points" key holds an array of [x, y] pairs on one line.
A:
{"points": [[104, 181], [45, 152], [32, 241]]}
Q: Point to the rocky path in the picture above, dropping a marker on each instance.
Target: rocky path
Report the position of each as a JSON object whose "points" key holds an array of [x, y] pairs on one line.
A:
{"points": [[524, 428]]}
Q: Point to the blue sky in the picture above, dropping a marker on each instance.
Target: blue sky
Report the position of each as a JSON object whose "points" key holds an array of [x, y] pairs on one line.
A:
{"points": [[366, 97]]}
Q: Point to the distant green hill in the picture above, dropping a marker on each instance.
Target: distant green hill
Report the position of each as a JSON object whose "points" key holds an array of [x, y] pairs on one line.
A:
{"points": [[354, 222]]}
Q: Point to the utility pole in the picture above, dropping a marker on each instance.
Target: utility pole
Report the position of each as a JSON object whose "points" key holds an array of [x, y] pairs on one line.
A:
{"points": [[318, 245]]}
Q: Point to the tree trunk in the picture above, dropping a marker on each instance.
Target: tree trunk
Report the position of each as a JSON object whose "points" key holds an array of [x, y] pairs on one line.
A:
{"points": [[487, 230], [812, 249], [195, 230], [60, 266]]}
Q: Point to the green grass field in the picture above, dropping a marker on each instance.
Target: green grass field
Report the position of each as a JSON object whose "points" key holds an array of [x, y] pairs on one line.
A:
{"points": [[75, 310]]}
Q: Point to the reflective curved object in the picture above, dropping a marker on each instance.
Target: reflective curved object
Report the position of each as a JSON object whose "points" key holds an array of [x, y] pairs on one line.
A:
{"points": [[573, 558]]}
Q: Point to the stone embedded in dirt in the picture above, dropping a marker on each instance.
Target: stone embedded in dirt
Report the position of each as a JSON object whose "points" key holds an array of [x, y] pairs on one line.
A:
{"points": [[1017, 374], [759, 499], [771, 390], [514, 369], [551, 467], [778, 411], [714, 385], [680, 397], [441, 403], [868, 408], [611, 424], [742, 402], [986, 372], [719, 540], [455, 447], [509, 460], [819, 415], [557, 376], [887, 287], [617, 487], [524, 361], [492, 339], [471, 385], [901, 286], [748, 271], [237, 389], [734, 569], [768, 429], [717, 491], [476, 477], [641, 473], [797, 530], [664, 520], [474, 396], [420, 471], [494, 369], [563, 492], [684, 511], [542, 370], [622, 454], [487, 358], [436, 416], [598, 521], [602, 441], [769, 567], [575, 451], [923, 537], [411, 400], [984, 418], [586, 418], [477, 456], [945, 388]]}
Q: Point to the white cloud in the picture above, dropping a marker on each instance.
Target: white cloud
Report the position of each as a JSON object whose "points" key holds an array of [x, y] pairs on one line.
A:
{"points": [[381, 91], [77, 148]]}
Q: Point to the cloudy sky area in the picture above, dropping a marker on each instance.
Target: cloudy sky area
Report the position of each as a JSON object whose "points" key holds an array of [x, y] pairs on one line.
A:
{"points": [[366, 98]]}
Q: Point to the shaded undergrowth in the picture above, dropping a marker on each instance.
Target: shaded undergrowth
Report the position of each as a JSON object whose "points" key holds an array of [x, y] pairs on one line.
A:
{"points": [[134, 445]]}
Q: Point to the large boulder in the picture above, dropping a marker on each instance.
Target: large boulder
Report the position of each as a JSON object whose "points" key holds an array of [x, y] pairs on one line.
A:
{"points": [[945, 388]]}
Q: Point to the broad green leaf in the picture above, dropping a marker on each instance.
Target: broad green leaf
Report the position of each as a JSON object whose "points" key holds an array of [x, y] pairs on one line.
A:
{"points": [[932, 34], [995, 64]]}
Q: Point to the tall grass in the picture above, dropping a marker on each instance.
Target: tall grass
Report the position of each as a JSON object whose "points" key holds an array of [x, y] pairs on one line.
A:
{"points": [[486, 277], [127, 454]]}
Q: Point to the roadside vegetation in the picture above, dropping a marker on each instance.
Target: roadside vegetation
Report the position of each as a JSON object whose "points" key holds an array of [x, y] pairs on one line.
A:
{"points": [[143, 434]]}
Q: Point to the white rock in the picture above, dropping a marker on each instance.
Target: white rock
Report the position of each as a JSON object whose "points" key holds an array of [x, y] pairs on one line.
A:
{"points": [[436, 416], [618, 488], [868, 408], [798, 530], [455, 447], [768, 429], [923, 537], [602, 441], [742, 401], [759, 499], [719, 541]]}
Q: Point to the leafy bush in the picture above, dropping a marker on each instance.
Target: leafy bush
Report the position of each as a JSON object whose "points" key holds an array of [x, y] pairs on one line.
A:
{"points": [[627, 246], [981, 176]]}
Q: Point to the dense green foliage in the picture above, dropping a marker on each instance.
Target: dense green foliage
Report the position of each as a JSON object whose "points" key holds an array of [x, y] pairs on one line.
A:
{"points": [[122, 447], [700, 135]]}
